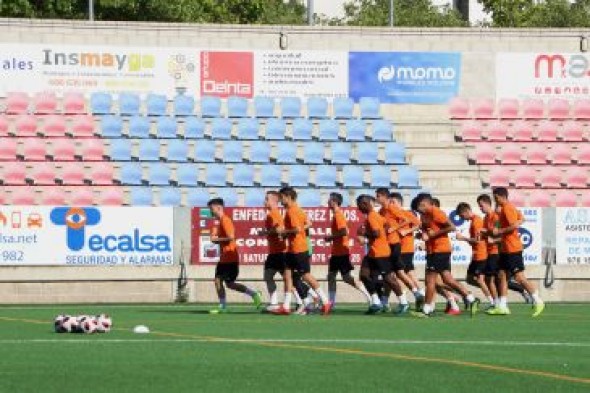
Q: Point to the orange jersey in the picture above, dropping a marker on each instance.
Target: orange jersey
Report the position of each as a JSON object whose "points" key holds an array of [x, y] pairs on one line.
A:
{"points": [[229, 250], [490, 221], [274, 220], [434, 220], [379, 246], [408, 240], [509, 215], [480, 250], [295, 218], [339, 244], [393, 217]]}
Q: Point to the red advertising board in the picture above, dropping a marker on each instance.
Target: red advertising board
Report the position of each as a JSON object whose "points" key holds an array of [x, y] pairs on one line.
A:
{"points": [[253, 249], [225, 74]]}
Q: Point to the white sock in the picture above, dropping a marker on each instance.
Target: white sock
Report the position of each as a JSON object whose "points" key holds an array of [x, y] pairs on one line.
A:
{"points": [[365, 292], [503, 302], [416, 293], [313, 293], [497, 301], [470, 298], [332, 296], [307, 301], [422, 291], [250, 292], [403, 299], [427, 308], [536, 298], [322, 295], [376, 300], [297, 298], [491, 300], [274, 298], [453, 303], [222, 302], [287, 303]]}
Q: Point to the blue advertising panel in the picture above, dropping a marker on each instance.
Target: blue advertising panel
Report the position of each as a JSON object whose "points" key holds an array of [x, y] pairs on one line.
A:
{"points": [[405, 77]]}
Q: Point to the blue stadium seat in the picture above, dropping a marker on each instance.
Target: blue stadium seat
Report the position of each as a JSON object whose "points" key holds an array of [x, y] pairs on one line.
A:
{"points": [[197, 197], [355, 130], [329, 130], [370, 108], [139, 127], [302, 130], [194, 128], [156, 104], [210, 107], [271, 176], [187, 175], [131, 174], [286, 152], [177, 151], [313, 153], [382, 131], [254, 197], [101, 103], [221, 128], [159, 174], [380, 176], [111, 127], [395, 153], [237, 107], [352, 176], [325, 176], [216, 175], [141, 196], [232, 151], [407, 177], [264, 107], [167, 127], [243, 175], [317, 108], [229, 196], [367, 153], [298, 176], [205, 151], [276, 129], [290, 107], [184, 105], [343, 108], [170, 196], [341, 153], [359, 192], [129, 104], [309, 198], [248, 128], [120, 150], [259, 152], [149, 150]]}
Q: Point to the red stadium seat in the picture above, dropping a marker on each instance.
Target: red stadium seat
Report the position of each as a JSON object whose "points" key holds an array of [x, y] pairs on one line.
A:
{"points": [[550, 177], [533, 109], [43, 174], [539, 198], [561, 154], [53, 196], [26, 125], [583, 154], [64, 150], [483, 108], [566, 198], [471, 131], [83, 127], [511, 154], [82, 197], [72, 174], [497, 132], [92, 150], [102, 173], [74, 103], [459, 108], [524, 177], [582, 109], [508, 108], [559, 109], [547, 131], [8, 149], [572, 131], [499, 177], [3, 126], [485, 154], [14, 173], [45, 103], [112, 197], [23, 196], [585, 200], [54, 126], [518, 198], [522, 131], [577, 178], [17, 103], [536, 154], [34, 149]]}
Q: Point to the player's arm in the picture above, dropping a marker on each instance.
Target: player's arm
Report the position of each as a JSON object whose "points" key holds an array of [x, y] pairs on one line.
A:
{"points": [[515, 220], [337, 234], [229, 229], [467, 239], [446, 226], [414, 225]]}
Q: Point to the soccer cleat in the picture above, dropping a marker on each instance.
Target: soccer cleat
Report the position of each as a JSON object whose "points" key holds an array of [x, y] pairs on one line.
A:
{"points": [[301, 310], [374, 309], [474, 306], [281, 310], [257, 299], [218, 310], [420, 314], [402, 309], [453, 311], [419, 302], [272, 308], [448, 307], [498, 311], [326, 308], [538, 309], [528, 299], [385, 307], [489, 307]]}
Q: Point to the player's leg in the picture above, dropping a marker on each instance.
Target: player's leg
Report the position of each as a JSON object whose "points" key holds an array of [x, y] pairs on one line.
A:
{"points": [[429, 304], [332, 273], [502, 286], [409, 270], [515, 286], [452, 307], [220, 275], [491, 273], [366, 277], [516, 267], [230, 282], [288, 281], [303, 266], [271, 287], [442, 264]]}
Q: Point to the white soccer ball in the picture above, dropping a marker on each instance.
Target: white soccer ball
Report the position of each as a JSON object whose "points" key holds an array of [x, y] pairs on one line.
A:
{"points": [[104, 323], [88, 325], [69, 324], [58, 323]]}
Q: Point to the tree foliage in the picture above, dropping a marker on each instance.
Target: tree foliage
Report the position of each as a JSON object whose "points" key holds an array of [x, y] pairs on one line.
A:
{"points": [[531, 13]]}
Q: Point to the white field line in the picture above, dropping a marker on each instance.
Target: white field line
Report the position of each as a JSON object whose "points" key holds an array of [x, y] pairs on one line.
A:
{"points": [[301, 341]]}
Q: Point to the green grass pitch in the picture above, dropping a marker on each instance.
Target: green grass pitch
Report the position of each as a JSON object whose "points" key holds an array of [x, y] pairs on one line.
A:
{"points": [[245, 351]]}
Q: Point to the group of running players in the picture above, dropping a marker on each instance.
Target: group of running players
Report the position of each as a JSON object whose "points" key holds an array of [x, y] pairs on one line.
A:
{"points": [[388, 266]]}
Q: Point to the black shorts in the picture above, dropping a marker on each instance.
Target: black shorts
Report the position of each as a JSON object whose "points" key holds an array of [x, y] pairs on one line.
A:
{"points": [[492, 265], [365, 263], [395, 257], [380, 266], [275, 262], [438, 262], [340, 263], [477, 268], [408, 261], [228, 272], [511, 263], [298, 262]]}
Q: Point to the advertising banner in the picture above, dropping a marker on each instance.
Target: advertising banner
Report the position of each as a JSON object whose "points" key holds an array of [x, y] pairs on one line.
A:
{"points": [[542, 75], [59, 68], [405, 77], [86, 236], [573, 235]]}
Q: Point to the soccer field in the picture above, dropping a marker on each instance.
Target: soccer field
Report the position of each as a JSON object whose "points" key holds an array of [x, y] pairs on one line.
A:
{"points": [[245, 351]]}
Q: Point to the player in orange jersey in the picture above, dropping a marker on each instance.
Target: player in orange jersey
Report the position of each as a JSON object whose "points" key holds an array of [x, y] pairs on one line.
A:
{"points": [[228, 267]]}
